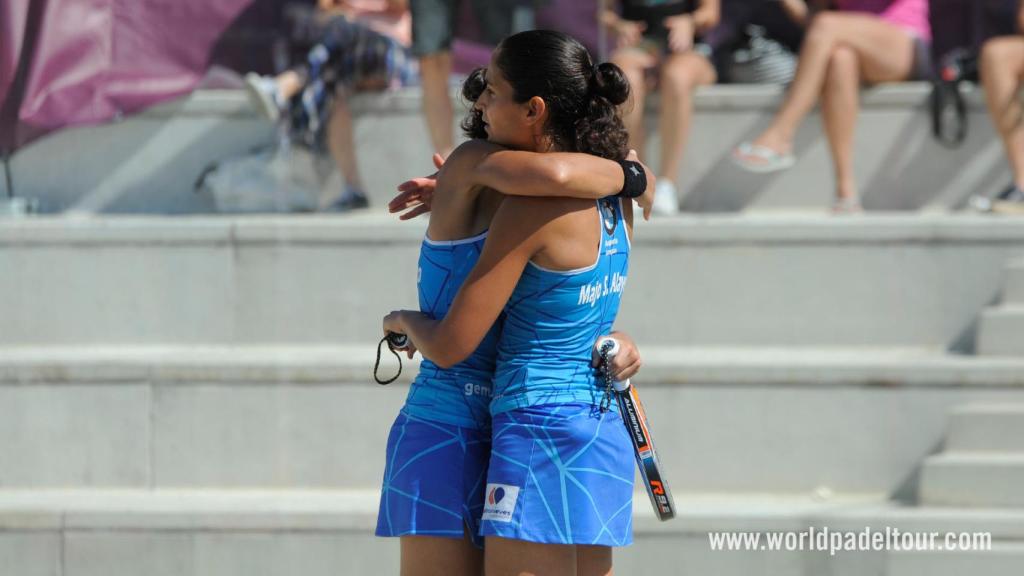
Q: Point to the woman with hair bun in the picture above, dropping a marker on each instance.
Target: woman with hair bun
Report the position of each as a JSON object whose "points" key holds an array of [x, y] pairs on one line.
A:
{"points": [[559, 486]]}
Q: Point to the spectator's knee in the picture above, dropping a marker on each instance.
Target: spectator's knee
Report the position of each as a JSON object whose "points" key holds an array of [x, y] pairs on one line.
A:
{"points": [[843, 61], [998, 51], [679, 77], [823, 27]]}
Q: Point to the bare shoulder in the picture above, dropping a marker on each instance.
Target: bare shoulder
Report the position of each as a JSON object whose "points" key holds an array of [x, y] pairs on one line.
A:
{"points": [[469, 153], [451, 176], [547, 209], [547, 218], [454, 213]]}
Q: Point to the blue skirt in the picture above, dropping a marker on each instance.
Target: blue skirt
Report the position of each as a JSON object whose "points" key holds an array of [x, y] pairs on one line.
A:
{"points": [[433, 479], [560, 474]]}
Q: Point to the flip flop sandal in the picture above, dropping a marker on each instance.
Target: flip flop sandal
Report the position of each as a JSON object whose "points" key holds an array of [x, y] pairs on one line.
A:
{"points": [[767, 160]]}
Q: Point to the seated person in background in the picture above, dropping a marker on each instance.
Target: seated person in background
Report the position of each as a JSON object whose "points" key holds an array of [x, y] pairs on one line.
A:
{"points": [[1001, 67], [364, 47], [863, 40], [663, 36]]}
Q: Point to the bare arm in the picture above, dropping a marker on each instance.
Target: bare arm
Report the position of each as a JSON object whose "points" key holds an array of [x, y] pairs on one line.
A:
{"points": [[514, 237], [575, 175], [707, 15], [481, 164], [796, 10]]}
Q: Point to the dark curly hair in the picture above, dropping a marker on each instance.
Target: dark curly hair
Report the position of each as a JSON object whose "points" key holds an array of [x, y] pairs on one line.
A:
{"points": [[582, 98]]}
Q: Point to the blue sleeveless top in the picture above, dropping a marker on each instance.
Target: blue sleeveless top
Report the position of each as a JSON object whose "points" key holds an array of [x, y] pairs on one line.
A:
{"points": [[553, 320], [459, 395]]}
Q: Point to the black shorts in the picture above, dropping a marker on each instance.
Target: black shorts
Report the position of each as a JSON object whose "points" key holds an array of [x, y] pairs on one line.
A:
{"points": [[433, 23], [921, 68]]}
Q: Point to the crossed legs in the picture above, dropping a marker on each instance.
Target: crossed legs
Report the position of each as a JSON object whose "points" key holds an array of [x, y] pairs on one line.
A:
{"points": [[840, 51]]}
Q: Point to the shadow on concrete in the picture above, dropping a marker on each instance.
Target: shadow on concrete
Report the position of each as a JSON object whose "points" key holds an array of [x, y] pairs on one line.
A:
{"points": [[119, 167], [744, 187], [914, 153], [908, 491]]}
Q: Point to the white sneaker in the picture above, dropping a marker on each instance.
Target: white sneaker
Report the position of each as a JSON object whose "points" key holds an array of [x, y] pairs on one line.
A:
{"points": [[264, 94], [666, 203]]}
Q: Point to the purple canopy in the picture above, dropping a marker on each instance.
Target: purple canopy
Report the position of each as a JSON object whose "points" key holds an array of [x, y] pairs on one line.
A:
{"points": [[73, 62]]}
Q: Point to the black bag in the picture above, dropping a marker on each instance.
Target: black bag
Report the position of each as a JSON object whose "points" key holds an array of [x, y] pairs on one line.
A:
{"points": [[949, 111], [960, 28]]}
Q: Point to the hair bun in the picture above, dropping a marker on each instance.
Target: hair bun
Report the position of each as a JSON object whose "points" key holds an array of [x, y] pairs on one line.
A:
{"points": [[610, 82]]}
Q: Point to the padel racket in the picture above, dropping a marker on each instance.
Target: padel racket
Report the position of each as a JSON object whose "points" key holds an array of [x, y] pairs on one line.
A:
{"points": [[632, 412]]}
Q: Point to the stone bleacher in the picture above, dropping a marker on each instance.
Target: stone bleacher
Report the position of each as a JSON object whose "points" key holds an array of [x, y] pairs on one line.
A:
{"points": [[192, 395], [149, 163]]}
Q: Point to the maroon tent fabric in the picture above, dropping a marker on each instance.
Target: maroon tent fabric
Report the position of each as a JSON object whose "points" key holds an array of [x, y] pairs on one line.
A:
{"points": [[12, 29], [93, 60]]}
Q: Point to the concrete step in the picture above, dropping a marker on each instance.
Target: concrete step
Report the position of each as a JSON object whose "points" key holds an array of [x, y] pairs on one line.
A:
{"points": [[784, 280], [285, 417], [149, 161], [986, 428], [228, 532], [1001, 331], [1004, 559], [992, 479], [1013, 284]]}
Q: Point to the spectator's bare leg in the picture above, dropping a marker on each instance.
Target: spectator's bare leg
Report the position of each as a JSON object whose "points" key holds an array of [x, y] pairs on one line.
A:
{"points": [[634, 63], [437, 105], [839, 103], [341, 143], [1002, 68], [680, 76], [885, 52]]}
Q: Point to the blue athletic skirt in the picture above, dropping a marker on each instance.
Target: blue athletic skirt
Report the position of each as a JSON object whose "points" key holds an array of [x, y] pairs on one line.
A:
{"points": [[560, 474], [433, 479]]}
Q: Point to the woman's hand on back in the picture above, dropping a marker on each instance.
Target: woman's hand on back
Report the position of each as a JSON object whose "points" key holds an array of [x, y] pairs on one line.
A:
{"points": [[417, 194]]}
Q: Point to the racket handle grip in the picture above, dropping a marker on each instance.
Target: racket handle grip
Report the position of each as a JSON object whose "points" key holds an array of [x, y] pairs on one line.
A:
{"points": [[612, 350], [397, 341]]}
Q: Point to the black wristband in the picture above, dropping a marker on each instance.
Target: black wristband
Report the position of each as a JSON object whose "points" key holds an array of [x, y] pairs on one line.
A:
{"points": [[634, 179]]}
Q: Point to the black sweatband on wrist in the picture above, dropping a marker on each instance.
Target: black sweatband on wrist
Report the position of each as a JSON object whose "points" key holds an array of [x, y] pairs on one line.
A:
{"points": [[634, 179]]}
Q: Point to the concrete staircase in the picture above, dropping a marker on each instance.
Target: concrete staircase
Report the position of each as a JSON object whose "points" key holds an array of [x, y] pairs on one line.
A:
{"points": [[982, 464], [1002, 326], [182, 461], [193, 396]]}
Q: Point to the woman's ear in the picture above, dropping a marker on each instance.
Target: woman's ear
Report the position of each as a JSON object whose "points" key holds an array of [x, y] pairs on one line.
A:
{"points": [[536, 110]]}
